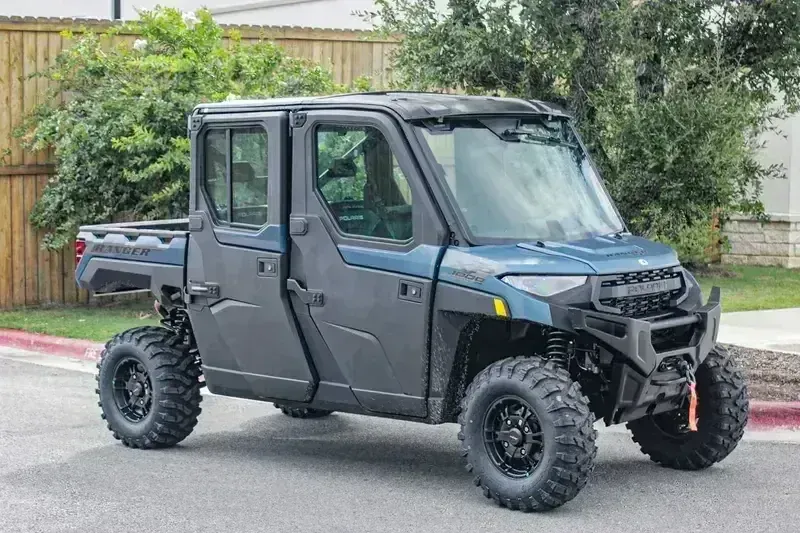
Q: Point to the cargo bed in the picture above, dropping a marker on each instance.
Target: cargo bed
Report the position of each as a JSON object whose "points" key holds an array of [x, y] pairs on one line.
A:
{"points": [[129, 256]]}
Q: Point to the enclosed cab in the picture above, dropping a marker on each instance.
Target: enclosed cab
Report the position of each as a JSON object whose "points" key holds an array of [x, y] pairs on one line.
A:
{"points": [[419, 256]]}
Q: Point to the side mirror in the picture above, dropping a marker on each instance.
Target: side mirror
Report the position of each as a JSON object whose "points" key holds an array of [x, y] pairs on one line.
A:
{"points": [[341, 168]]}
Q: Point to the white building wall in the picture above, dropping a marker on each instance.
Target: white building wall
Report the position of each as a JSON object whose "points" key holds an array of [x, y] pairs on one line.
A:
{"points": [[98, 9], [309, 13], [776, 242]]}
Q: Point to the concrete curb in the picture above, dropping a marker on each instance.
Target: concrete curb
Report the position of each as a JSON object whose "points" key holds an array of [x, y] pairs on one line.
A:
{"points": [[51, 345], [764, 415]]}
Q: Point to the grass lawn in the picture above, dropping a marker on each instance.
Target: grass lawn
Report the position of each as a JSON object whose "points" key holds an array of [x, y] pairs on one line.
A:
{"points": [[750, 288], [92, 323]]}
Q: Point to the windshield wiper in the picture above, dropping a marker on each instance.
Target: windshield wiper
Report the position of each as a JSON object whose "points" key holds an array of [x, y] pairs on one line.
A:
{"points": [[526, 136]]}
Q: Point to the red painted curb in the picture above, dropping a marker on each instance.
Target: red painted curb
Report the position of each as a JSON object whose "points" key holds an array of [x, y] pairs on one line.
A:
{"points": [[50, 345], [774, 414]]}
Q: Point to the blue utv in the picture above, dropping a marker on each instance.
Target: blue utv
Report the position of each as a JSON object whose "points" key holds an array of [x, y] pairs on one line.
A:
{"points": [[432, 258]]}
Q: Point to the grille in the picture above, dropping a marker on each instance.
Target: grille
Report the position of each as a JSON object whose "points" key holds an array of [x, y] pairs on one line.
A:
{"points": [[646, 304]]}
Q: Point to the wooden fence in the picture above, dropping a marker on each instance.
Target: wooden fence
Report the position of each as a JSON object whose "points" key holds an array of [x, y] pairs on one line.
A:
{"points": [[30, 275]]}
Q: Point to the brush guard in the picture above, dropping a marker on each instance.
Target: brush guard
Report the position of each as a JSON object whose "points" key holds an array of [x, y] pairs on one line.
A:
{"points": [[645, 380]]}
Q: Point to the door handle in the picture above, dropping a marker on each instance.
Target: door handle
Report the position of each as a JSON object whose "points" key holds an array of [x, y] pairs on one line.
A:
{"points": [[267, 267], [410, 290], [308, 297]]}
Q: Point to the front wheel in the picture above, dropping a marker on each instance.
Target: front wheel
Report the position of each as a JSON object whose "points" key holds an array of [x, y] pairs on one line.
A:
{"points": [[722, 414], [527, 434], [149, 388]]}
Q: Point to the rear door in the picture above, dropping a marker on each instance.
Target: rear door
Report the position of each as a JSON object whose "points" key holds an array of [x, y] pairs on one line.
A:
{"points": [[237, 261], [365, 245]]}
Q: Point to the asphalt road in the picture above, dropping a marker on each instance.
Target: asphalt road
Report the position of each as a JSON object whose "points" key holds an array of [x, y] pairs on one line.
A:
{"points": [[247, 468]]}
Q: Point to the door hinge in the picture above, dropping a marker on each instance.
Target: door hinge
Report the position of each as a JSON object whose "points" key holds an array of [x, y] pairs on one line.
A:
{"points": [[298, 226], [297, 120], [308, 297], [452, 240], [195, 222], [199, 288], [195, 122]]}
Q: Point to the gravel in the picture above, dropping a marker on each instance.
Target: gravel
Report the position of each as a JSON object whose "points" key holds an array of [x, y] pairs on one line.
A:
{"points": [[772, 376]]}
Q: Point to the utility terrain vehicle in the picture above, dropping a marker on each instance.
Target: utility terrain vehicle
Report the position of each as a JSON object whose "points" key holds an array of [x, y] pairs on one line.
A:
{"points": [[425, 257]]}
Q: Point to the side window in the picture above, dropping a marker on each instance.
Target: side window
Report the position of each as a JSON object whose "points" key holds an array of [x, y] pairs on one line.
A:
{"points": [[236, 175], [360, 181]]}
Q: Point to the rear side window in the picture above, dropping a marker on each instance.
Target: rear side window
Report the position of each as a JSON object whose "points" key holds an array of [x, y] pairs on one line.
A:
{"points": [[236, 175]]}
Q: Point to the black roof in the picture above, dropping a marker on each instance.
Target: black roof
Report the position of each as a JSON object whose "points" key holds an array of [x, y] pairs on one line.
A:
{"points": [[409, 105]]}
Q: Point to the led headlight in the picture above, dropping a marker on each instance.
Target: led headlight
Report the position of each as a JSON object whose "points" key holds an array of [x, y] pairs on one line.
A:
{"points": [[545, 285]]}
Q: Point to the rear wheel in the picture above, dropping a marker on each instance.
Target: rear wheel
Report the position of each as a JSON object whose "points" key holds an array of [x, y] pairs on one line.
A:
{"points": [[302, 412], [527, 434], [723, 408], [149, 388]]}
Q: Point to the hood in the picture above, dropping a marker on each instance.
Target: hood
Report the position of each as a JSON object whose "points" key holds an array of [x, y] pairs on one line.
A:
{"points": [[611, 255], [593, 256]]}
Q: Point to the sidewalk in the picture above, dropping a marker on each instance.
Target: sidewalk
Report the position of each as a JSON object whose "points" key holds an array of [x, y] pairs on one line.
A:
{"points": [[776, 329]]}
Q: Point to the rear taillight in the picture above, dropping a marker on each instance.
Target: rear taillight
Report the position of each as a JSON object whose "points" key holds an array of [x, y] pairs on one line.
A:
{"points": [[80, 247]]}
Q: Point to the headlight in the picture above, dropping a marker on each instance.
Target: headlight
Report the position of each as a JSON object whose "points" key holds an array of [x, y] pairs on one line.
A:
{"points": [[545, 285]]}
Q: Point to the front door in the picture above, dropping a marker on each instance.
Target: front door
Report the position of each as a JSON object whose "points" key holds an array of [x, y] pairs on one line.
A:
{"points": [[237, 260], [365, 244]]}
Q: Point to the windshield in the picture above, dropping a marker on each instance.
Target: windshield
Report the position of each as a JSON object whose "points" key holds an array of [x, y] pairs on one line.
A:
{"points": [[521, 179]]}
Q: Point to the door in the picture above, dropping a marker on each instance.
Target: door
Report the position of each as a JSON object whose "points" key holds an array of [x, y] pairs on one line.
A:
{"points": [[365, 243], [237, 260]]}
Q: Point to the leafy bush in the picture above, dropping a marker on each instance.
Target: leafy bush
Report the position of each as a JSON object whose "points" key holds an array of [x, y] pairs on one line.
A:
{"points": [[672, 97], [120, 136]]}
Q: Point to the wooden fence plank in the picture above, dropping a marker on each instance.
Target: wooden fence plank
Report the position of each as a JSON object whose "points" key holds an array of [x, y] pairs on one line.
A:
{"points": [[31, 242], [5, 95], [18, 224], [67, 272], [387, 69], [327, 55], [28, 85], [53, 49], [347, 63], [6, 268], [56, 277], [16, 100], [376, 76], [42, 84], [24, 232], [362, 58], [43, 272], [336, 62]]}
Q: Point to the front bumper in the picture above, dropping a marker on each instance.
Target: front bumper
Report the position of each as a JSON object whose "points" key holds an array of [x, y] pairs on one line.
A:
{"points": [[643, 381]]}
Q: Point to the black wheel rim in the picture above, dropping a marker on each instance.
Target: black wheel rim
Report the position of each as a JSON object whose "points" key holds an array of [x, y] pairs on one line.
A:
{"points": [[512, 435], [133, 391]]}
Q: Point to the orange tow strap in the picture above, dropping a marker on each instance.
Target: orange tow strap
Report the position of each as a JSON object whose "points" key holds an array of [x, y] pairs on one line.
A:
{"points": [[692, 406]]}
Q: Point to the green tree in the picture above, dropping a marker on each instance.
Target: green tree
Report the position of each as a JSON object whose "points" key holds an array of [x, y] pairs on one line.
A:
{"points": [[672, 96], [120, 136]]}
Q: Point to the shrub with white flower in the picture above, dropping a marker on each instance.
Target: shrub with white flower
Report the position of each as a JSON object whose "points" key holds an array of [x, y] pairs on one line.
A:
{"points": [[139, 44], [190, 19]]}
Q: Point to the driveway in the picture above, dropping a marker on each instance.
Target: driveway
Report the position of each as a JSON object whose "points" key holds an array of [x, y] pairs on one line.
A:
{"points": [[247, 468]]}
